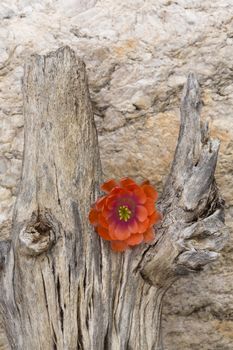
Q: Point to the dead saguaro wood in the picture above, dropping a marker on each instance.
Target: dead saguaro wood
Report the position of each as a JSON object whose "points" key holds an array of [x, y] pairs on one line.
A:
{"points": [[61, 285]]}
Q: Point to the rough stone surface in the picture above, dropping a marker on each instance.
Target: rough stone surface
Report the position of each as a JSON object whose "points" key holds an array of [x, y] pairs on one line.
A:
{"points": [[138, 54]]}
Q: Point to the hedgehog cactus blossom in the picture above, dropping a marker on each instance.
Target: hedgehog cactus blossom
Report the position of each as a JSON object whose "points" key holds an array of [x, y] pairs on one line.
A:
{"points": [[126, 214]]}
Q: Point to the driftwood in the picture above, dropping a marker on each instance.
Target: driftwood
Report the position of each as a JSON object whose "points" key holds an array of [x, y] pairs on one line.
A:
{"points": [[61, 285]]}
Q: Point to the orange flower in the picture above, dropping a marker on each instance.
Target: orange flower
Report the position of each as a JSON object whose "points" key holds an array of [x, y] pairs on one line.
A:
{"points": [[126, 214]]}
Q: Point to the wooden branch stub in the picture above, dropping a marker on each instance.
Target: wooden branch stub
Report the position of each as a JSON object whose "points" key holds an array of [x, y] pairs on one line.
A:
{"points": [[61, 156], [193, 230], [55, 254]]}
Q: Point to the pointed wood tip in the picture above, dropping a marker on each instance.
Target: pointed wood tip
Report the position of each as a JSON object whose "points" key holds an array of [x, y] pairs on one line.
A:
{"points": [[191, 92]]}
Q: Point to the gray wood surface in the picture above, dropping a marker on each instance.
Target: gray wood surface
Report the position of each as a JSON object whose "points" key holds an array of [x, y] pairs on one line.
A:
{"points": [[61, 286]]}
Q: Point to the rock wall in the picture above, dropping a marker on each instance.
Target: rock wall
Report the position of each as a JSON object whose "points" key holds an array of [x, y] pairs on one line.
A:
{"points": [[138, 54]]}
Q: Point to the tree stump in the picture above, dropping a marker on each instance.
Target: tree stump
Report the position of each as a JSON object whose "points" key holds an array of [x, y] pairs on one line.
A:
{"points": [[61, 285]]}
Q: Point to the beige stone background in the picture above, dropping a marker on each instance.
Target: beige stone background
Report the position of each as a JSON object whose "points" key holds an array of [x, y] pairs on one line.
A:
{"points": [[138, 54]]}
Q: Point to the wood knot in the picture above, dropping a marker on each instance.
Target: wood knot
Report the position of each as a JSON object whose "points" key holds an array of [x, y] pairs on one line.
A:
{"points": [[37, 237]]}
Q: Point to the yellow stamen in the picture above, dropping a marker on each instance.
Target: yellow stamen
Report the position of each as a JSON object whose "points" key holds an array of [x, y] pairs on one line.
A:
{"points": [[124, 213]]}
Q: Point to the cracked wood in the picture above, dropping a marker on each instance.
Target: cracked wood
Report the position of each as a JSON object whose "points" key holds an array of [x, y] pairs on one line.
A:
{"points": [[61, 286]]}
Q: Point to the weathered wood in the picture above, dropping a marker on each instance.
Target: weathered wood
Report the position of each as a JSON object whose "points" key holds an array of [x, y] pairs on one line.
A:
{"points": [[61, 286], [193, 230]]}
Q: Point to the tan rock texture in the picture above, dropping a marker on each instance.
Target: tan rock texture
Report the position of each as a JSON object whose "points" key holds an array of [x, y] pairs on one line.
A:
{"points": [[138, 54]]}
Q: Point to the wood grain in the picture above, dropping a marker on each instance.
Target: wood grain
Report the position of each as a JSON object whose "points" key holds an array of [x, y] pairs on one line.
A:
{"points": [[61, 286]]}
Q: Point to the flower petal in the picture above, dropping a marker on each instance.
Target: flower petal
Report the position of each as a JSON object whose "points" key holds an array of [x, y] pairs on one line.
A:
{"points": [[141, 213], [93, 217], [121, 231], [143, 226], [111, 201], [126, 181], [150, 192], [155, 218], [100, 202], [140, 195], [149, 235], [108, 185], [150, 206], [119, 246], [111, 229], [116, 190], [103, 232], [102, 221], [107, 213], [133, 226], [135, 239]]}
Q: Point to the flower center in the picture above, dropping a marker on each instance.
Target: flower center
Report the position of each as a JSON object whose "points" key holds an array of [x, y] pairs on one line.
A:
{"points": [[124, 213]]}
